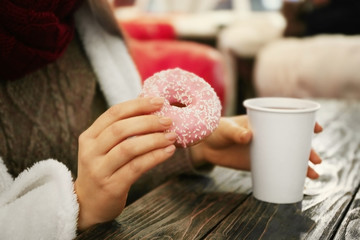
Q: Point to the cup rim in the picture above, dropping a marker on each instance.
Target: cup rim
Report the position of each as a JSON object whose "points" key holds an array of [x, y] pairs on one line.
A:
{"points": [[279, 104]]}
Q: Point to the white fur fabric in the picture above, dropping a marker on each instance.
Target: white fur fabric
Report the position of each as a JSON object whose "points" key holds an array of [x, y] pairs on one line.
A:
{"points": [[251, 32], [39, 204], [323, 66], [116, 72]]}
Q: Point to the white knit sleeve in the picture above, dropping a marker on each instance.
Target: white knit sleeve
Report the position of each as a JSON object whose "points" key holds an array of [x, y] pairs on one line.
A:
{"points": [[39, 204]]}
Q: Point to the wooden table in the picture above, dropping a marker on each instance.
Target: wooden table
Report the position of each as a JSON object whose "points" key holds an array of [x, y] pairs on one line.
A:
{"points": [[221, 206]]}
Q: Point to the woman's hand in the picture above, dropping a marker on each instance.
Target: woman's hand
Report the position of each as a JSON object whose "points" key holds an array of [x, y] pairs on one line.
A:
{"points": [[229, 146], [121, 145]]}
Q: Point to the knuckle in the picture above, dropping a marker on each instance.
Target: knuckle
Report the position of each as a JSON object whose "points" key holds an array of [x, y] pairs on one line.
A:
{"points": [[111, 190], [93, 174], [144, 101], [125, 150], [116, 129], [152, 122], [104, 185], [85, 159], [83, 137], [135, 167], [83, 156], [153, 156], [84, 149], [114, 111]]}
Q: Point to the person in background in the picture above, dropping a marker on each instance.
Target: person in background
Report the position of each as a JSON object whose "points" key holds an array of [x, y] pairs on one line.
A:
{"points": [[333, 17], [313, 17], [68, 113]]}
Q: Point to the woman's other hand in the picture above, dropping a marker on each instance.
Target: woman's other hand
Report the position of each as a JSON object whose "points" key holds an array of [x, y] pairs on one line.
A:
{"points": [[229, 146]]}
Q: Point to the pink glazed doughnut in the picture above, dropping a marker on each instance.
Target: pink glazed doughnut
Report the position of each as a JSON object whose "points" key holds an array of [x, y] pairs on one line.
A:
{"points": [[190, 102]]}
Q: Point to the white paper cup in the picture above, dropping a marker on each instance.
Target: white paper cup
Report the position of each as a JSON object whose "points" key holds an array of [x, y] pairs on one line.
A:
{"points": [[280, 148]]}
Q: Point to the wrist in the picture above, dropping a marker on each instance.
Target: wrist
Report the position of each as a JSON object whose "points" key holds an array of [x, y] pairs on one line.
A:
{"points": [[83, 221]]}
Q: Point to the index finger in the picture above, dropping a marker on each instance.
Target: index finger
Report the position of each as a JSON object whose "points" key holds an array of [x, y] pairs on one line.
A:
{"points": [[135, 107], [318, 128]]}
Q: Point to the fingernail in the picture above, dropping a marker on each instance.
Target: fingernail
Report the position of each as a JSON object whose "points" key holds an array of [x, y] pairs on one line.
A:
{"points": [[171, 136], [245, 132], [165, 121], [245, 136], [157, 101], [169, 149]]}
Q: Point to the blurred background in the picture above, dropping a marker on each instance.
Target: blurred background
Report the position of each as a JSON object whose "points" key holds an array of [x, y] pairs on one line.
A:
{"points": [[248, 48]]}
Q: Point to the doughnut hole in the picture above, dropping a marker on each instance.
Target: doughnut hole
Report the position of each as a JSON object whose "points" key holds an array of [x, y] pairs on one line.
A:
{"points": [[180, 98], [178, 104]]}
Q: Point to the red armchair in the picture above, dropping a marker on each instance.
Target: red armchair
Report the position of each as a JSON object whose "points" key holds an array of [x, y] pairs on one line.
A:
{"points": [[153, 46]]}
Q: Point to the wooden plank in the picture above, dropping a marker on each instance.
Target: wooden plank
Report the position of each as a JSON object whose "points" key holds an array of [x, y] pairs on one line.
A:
{"points": [[100, 231], [187, 207], [320, 213], [350, 226]]}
